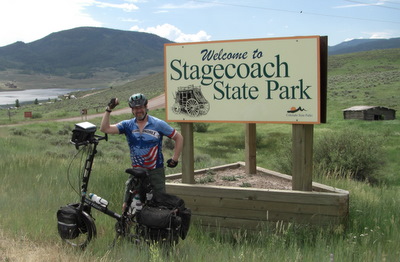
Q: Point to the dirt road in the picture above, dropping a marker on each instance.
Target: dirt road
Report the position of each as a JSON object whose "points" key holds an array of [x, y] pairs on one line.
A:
{"points": [[154, 103]]}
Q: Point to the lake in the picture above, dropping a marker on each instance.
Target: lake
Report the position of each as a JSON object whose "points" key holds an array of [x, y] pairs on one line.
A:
{"points": [[30, 95]]}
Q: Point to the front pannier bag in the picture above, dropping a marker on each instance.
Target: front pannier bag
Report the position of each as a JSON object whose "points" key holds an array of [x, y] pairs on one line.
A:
{"points": [[68, 222]]}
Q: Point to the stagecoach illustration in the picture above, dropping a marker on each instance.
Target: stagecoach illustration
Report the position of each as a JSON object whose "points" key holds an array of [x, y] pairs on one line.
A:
{"points": [[190, 100]]}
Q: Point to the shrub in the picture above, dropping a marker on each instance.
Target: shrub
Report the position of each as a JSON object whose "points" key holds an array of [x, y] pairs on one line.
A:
{"points": [[282, 157], [18, 132], [169, 144], [64, 132], [206, 179], [229, 178], [36, 115], [47, 131], [200, 127], [202, 158], [349, 151]]}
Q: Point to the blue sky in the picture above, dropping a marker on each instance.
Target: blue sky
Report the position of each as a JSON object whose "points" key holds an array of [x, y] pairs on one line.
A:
{"points": [[193, 21]]}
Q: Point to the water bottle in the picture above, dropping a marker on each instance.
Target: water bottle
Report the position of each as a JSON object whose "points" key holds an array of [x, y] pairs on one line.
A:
{"points": [[138, 203], [132, 207], [101, 201], [149, 195]]}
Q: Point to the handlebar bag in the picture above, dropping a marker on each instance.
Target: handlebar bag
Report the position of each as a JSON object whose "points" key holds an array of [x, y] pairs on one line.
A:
{"points": [[68, 222]]}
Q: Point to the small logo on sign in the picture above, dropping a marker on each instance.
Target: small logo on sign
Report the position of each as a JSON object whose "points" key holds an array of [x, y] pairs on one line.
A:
{"points": [[294, 109]]}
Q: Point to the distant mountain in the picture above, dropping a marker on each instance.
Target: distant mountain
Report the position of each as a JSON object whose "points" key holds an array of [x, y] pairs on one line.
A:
{"points": [[360, 45], [80, 52]]}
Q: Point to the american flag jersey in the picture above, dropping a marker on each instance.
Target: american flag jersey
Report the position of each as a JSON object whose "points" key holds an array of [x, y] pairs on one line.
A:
{"points": [[146, 146]]}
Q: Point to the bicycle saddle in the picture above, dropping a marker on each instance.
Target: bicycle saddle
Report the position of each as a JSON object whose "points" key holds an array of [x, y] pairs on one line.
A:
{"points": [[137, 172]]}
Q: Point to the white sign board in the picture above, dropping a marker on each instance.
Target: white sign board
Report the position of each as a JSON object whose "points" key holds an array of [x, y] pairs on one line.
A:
{"points": [[275, 80]]}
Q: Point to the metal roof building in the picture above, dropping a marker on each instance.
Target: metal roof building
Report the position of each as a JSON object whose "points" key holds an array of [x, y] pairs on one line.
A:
{"points": [[369, 113]]}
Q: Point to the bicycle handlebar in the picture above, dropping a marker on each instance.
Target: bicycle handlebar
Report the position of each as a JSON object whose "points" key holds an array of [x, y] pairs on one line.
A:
{"points": [[92, 140], [105, 137]]}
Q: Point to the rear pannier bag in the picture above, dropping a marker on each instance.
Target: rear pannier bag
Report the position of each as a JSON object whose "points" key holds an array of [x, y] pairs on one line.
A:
{"points": [[155, 217], [172, 203], [161, 199], [68, 222], [185, 215]]}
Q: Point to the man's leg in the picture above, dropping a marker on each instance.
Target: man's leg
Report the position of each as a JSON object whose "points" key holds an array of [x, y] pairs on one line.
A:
{"points": [[157, 179]]}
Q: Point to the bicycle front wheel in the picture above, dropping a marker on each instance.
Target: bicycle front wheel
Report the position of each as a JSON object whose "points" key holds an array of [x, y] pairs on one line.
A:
{"points": [[87, 231]]}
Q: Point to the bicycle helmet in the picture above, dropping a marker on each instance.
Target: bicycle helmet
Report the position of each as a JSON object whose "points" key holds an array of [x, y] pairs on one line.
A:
{"points": [[137, 100]]}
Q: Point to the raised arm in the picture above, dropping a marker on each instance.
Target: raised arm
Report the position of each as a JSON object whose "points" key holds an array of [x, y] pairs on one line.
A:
{"points": [[105, 126]]}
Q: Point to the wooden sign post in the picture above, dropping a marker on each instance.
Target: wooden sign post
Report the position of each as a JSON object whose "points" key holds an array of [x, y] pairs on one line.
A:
{"points": [[251, 149], [302, 157], [187, 153]]}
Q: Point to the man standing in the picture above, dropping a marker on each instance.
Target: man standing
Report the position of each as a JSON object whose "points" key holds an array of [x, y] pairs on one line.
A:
{"points": [[144, 134]]}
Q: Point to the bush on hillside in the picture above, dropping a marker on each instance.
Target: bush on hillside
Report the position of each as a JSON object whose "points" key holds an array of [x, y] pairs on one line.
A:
{"points": [[282, 156], [169, 144], [36, 115], [349, 151], [200, 127]]}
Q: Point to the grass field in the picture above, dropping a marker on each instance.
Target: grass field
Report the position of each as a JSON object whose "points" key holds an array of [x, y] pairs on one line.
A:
{"points": [[38, 165]]}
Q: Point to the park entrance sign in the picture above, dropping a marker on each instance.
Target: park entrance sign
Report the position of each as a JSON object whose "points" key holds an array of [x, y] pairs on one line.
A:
{"points": [[271, 80], [276, 80]]}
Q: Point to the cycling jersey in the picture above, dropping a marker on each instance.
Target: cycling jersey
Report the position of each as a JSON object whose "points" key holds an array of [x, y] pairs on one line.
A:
{"points": [[146, 146]]}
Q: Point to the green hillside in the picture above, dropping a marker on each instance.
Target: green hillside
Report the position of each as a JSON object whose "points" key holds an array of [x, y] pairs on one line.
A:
{"points": [[81, 52], [371, 78]]}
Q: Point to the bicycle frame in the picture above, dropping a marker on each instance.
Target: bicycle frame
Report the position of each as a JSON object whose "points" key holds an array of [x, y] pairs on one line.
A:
{"points": [[76, 224], [85, 183]]}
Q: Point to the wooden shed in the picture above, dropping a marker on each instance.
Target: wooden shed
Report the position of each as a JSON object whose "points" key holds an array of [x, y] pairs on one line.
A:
{"points": [[369, 113]]}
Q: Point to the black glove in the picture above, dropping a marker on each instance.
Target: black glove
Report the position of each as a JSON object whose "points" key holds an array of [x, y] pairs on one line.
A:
{"points": [[113, 103], [172, 163]]}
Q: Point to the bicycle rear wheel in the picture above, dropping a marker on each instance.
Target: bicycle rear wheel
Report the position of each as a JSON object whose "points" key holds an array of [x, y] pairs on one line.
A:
{"points": [[87, 231]]}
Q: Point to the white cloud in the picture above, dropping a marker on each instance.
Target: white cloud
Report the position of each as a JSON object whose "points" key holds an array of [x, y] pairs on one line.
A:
{"points": [[161, 12], [360, 4], [130, 20], [188, 5], [380, 35], [375, 35], [174, 34], [127, 7], [27, 20]]}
